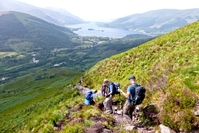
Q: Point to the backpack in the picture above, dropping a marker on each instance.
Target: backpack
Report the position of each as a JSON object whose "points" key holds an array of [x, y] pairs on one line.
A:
{"points": [[116, 86], [89, 95], [139, 95], [103, 89]]}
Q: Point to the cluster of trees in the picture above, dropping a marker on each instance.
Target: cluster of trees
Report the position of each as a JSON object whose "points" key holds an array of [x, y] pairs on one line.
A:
{"points": [[44, 76]]}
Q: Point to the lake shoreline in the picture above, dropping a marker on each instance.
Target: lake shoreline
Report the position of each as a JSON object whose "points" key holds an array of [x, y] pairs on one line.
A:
{"points": [[93, 29]]}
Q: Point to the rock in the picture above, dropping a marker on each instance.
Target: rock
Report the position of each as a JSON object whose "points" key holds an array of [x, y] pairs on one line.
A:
{"points": [[97, 128], [107, 131], [196, 113], [137, 108], [129, 128], [120, 112], [98, 93], [164, 129]]}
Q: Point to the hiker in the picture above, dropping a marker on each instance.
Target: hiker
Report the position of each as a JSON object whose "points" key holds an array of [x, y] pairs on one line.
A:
{"points": [[129, 105], [80, 81], [89, 97], [109, 96]]}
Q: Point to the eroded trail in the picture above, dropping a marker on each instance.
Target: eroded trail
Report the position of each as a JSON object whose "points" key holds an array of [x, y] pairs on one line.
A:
{"points": [[121, 122]]}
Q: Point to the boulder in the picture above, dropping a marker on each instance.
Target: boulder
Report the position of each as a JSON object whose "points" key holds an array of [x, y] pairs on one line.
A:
{"points": [[196, 113], [129, 128], [164, 129]]}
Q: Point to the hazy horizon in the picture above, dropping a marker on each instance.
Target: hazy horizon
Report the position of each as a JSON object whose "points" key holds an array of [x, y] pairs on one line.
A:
{"points": [[109, 10]]}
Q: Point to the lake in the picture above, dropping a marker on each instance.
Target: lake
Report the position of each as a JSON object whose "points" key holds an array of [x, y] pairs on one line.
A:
{"points": [[92, 29]]}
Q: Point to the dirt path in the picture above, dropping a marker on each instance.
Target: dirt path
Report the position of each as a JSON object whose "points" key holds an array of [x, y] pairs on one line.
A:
{"points": [[120, 120]]}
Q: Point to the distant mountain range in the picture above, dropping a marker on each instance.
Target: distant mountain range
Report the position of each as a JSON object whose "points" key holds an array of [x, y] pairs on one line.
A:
{"points": [[157, 21], [56, 16], [19, 32]]}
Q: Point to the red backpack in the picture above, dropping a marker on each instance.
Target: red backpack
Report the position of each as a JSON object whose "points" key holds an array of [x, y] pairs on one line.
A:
{"points": [[103, 89]]}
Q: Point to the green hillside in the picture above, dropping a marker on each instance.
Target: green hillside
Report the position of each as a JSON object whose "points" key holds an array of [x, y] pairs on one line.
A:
{"points": [[168, 67], [25, 98], [22, 32]]}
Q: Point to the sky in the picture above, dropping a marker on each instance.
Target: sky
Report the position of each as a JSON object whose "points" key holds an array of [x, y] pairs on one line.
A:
{"points": [[108, 10]]}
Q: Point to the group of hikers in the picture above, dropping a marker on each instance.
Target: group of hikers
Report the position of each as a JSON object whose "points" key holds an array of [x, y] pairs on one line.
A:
{"points": [[108, 90]]}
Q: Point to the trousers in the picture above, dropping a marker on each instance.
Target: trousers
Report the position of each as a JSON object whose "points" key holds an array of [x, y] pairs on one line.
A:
{"points": [[108, 104], [128, 109]]}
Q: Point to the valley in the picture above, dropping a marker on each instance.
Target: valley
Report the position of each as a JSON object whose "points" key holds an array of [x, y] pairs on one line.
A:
{"points": [[44, 58]]}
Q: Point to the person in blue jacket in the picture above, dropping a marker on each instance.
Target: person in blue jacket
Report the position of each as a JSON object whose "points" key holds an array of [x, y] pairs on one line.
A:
{"points": [[89, 97]]}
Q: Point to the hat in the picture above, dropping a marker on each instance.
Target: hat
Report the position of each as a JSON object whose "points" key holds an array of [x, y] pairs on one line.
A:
{"points": [[105, 80], [132, 77]]}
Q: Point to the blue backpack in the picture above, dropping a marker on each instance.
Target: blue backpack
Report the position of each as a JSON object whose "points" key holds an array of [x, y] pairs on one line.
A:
{"points": [[116, 86], [89, 95]]}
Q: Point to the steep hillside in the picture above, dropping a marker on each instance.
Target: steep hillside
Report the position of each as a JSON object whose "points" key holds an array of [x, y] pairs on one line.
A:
{"points": [[53, 16], [157, 21], [168, 67], [21, 32], [25, 99]]}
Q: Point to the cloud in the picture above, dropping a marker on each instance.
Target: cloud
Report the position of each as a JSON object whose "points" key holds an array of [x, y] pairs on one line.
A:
{"points": [[112, 9]]}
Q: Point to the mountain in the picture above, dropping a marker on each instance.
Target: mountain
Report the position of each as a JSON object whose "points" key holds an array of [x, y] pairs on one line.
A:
{"points": [[22, 32], [66, 13], [58, 17], [157, 21], [168, 67]]}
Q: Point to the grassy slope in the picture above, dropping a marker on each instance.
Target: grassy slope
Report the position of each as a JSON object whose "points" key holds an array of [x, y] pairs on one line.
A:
{"points": [[25, 98], [168, 67], [26, 87]]}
